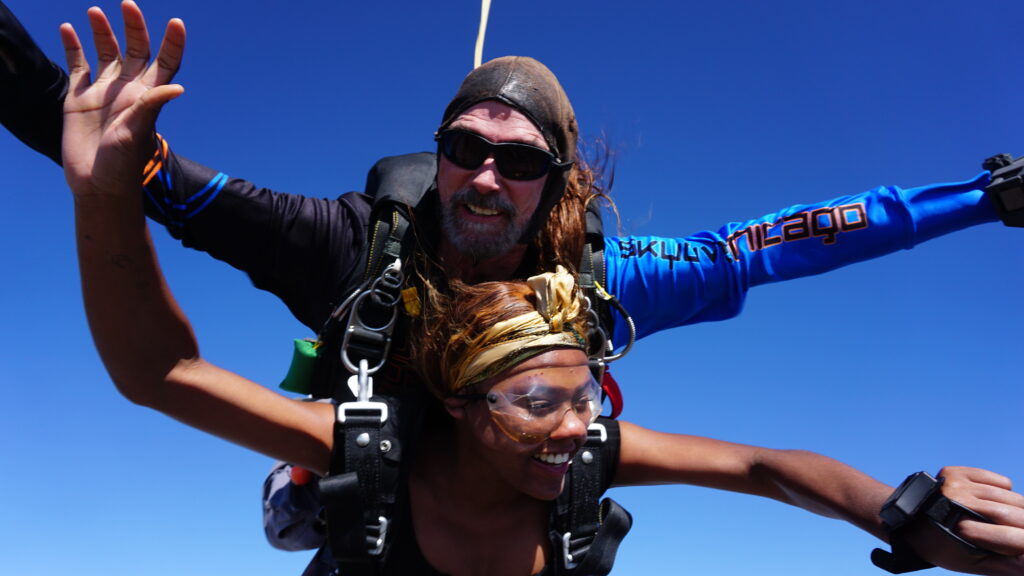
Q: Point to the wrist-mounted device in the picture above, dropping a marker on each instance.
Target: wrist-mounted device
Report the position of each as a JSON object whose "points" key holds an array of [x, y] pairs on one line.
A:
{"points": [[1006, 191], [919, 496]]}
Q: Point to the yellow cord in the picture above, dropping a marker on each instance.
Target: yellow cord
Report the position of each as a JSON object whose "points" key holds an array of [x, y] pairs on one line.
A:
{"points": [[478, 54]]}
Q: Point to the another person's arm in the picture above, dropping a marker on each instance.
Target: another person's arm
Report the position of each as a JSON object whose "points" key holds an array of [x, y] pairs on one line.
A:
{"points": [[830, 488], [32, 89], [306, 251], [303, 250], [669, 282]]}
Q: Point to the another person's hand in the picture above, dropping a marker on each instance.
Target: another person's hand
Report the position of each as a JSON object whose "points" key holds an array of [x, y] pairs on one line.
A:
{"points": [[990, 495], [109, 121]]}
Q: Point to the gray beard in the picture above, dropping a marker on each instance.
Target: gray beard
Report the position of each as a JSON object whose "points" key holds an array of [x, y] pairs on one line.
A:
{"points": [[481, 241]]}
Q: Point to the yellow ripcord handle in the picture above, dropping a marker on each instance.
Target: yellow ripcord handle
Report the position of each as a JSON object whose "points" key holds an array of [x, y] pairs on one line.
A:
{"points": [[478, 54]]}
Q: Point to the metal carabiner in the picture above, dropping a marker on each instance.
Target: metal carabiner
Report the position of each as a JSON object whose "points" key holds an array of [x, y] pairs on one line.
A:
{"points": [[625, 316], [383, 293]]}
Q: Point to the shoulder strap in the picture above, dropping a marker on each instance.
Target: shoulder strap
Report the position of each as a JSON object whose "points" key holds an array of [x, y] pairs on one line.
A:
{"points": [[601, 321], [359, 495], [585, 530], [592, 267], [591, 275], [397, 184]]}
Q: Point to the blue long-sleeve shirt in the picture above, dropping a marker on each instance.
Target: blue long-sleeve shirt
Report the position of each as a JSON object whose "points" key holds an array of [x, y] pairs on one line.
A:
{"points": [[666, 282]]}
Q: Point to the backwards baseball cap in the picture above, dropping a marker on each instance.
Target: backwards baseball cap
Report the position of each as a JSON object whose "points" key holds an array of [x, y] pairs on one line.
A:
{"points": [[528, 86]]}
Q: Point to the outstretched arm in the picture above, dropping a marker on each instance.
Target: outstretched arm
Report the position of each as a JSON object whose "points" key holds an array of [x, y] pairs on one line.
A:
{"points": [[670, 282], [145, 340], [830, 488]]}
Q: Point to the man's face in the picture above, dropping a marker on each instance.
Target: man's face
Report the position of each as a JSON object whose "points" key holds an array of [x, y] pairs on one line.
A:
{"points": [[484, 214]]}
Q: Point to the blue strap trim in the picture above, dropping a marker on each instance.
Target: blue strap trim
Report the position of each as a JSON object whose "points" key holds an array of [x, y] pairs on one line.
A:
{"points": [[175, 213], [154, 202], [220, 177], [220, 180]]}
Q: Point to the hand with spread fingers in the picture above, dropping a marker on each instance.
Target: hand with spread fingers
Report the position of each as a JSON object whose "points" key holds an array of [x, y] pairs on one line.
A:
{"points": [[1001, 539], [109, 119]]}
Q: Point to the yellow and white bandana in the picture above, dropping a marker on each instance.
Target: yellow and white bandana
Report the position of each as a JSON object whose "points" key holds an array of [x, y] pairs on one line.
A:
{"points": [[515, 340]]}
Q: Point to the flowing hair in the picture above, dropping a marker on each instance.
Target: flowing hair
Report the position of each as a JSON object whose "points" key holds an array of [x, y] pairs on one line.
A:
{"points": [[562, 239]]}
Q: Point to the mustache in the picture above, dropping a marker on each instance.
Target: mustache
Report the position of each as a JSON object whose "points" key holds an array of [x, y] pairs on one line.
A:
{"points": [[489, 201]]}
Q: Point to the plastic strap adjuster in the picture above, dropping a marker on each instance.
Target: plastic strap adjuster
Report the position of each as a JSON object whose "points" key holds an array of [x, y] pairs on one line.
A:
{"points": [[570, 554], [358, 409], [376, 535]]}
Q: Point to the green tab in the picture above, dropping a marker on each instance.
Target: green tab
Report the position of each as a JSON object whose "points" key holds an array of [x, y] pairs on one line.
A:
{"points": [[300, 373]]}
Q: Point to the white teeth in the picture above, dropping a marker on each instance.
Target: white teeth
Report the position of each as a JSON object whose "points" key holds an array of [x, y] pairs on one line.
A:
{"points": [[480, 210], [553, 458]]}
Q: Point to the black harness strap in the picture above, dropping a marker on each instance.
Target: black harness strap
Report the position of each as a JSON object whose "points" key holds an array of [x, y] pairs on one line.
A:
{"points": [[359, 494], [587, 531], [397, 184], [615, 524], [351, 492]]}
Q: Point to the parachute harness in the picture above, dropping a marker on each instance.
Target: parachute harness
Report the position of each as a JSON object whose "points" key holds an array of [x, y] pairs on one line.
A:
{"points": [[355, 494], [359, 492]]}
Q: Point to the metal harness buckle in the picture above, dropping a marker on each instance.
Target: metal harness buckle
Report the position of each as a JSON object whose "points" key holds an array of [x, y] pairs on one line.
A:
{"points": [[362, 388], [363, 407], [373, 340], [568, 557]]}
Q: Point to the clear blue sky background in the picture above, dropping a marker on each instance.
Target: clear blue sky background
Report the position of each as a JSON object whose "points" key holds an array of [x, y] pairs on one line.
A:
{"points": [[716, 112]]}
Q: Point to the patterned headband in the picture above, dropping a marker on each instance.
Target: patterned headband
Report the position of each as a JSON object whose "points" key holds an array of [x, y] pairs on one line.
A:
{"points": [[515, 340]]}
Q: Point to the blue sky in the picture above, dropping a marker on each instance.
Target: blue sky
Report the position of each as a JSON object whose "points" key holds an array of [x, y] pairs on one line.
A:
{"points": [[716, 112]]}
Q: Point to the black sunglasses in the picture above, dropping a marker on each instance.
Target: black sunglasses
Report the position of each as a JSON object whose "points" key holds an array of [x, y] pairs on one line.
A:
{"points": [[515, 160]]}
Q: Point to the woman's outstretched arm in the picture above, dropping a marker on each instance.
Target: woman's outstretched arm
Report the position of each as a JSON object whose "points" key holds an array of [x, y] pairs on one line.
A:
{"points": [[144, 338], [830, 488]]}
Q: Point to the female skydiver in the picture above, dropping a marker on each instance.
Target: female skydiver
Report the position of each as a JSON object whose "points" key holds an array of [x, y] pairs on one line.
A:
{"points": [[498, 356]]}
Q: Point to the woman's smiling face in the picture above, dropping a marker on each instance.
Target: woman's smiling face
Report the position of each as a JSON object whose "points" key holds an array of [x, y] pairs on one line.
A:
{"points": [[536, 467]]}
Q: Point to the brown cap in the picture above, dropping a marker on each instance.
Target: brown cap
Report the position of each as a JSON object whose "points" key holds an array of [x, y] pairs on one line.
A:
{"points": [[528, 86]]}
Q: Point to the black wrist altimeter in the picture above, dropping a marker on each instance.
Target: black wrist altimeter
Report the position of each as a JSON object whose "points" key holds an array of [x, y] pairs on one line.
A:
{"points": [[1006, 191], [919, 496]]}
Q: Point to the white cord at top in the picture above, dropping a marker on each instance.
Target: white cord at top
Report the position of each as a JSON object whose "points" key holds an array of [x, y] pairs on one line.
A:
{"points": [[478, 54]]}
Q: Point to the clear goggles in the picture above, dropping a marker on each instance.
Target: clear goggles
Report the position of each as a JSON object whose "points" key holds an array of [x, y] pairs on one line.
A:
{"points": [[530, 411]]}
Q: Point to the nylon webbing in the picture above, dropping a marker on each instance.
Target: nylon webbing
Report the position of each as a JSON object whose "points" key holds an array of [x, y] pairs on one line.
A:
{"points": [[587, 531], [350, 492]]}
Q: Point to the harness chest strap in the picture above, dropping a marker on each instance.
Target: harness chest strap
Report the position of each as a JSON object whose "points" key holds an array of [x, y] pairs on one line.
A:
{"points": [[360, 491], [587, 531], [359, 494]]}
